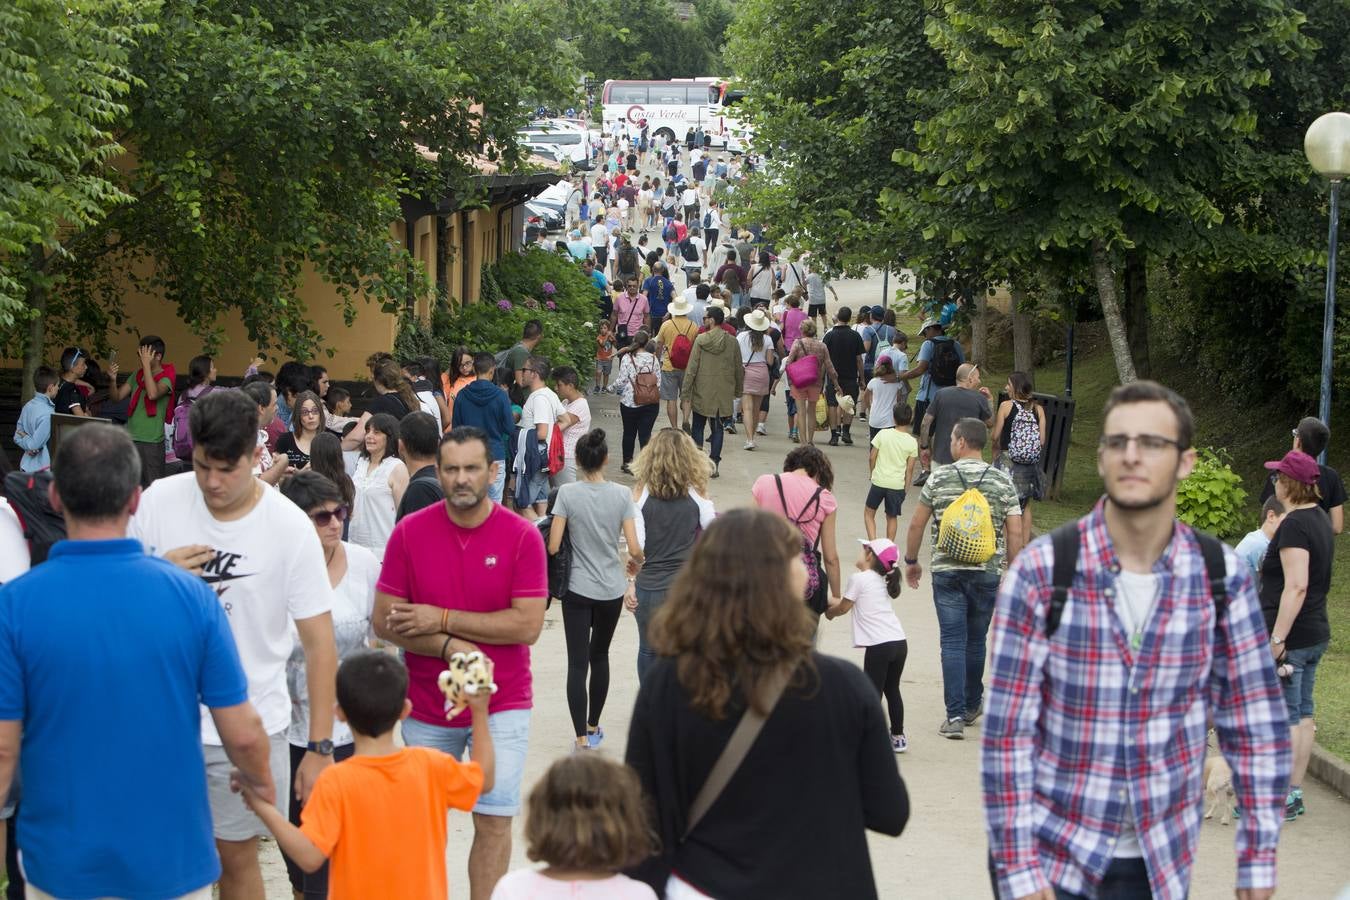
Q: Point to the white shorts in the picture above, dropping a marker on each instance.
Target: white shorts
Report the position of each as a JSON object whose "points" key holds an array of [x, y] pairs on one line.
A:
{"points": [[231, 820]]}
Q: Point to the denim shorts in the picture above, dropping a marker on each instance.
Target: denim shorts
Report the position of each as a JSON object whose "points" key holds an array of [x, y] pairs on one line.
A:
{"points": [[498, 485], [1298, 687], [539, 487], [510, 732]]}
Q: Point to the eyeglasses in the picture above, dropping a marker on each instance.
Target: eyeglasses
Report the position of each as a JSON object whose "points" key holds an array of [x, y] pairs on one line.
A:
{"points": [[1151, 444], [309, 411], [325, 518]]}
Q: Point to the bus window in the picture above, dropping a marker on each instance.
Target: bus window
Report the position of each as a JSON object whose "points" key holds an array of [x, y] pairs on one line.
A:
{"points": [[627, 93], [714, 95], [670, 94]]}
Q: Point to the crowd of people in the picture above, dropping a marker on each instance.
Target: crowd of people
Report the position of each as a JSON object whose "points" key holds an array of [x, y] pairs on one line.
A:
{"points": [[290, 598]]}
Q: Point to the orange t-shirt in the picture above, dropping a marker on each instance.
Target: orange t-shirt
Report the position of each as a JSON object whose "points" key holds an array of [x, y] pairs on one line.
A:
{"points": [[380, 820], [604, 346]]}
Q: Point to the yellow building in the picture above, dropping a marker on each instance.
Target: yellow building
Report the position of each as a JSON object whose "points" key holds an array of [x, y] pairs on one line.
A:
{"points": [[451, 243]]}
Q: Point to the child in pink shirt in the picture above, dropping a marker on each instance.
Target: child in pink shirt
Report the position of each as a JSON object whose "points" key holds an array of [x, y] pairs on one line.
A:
{"points": [[582, 857]]}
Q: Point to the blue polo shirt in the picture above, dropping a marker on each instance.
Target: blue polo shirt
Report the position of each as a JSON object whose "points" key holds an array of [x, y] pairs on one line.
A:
{"points": [[105, 653]]}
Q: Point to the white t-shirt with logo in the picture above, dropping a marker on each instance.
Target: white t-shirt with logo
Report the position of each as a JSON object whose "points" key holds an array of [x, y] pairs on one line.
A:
{"points": [[268, 570]]}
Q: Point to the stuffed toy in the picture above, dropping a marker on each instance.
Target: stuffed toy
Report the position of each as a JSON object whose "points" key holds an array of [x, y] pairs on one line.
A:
{"points": [[466, 677]]}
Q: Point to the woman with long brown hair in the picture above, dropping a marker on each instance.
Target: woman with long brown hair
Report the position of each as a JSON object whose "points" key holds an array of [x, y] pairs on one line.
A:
{"points": [[734, 636], [307, 417]]}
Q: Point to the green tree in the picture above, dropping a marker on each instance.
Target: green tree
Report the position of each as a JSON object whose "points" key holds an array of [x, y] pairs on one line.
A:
{"points": [[265, 140], [63, 81], [831, 121], [645, 39], [1089, 130]]}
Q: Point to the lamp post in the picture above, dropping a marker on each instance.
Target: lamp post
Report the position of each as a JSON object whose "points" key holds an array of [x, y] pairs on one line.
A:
{"points": [[1327, 146]]}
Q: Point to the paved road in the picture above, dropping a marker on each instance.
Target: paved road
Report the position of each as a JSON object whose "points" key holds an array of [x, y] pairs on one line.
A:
{"points": [[942, 852]]}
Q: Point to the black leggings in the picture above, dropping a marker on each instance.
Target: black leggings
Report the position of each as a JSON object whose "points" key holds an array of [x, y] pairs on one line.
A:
{"points": [[637, 426], [588, 626], [883, 663]]}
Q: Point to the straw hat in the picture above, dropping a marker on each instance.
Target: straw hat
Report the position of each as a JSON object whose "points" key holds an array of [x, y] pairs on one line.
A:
{"points": [[758, 320], [680, 307]]}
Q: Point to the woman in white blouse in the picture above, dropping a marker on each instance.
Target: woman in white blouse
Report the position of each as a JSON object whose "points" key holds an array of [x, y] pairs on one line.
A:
{"points": [[352, 573], [380, 479]]}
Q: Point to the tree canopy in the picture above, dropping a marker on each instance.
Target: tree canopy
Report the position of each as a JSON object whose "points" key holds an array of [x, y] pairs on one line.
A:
{"points": [[646, 39]]}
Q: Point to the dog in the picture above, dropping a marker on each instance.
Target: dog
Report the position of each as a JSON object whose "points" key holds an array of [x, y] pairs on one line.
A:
{"points": [[1218, 788]]}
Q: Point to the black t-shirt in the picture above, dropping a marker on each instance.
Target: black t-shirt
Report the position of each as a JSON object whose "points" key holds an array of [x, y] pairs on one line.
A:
{"points": [[388, 403], [286, 444], [424, 489], [1329, 485], [845, 346], [1304, 529], [67, 396]]}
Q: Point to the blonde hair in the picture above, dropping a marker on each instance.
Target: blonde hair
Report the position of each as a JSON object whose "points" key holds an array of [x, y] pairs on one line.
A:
{"points": [[807, 328], [670, 465]]}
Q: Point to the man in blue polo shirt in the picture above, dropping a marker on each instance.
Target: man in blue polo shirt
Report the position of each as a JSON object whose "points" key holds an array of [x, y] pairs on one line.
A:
{"points": [[105, 654]]}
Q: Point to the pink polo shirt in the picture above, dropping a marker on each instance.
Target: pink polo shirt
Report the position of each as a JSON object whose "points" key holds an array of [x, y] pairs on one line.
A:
{"points": [[628, 311], [430, 559]]}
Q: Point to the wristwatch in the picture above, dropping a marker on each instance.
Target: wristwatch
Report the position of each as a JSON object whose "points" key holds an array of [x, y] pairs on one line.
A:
{"points": [[1277, 641], [911, 562], [323, 747]]}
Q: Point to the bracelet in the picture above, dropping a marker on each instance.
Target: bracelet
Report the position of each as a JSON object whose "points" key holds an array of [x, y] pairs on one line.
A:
{"points": [[445, 620], [446, 645], [911, 562]]}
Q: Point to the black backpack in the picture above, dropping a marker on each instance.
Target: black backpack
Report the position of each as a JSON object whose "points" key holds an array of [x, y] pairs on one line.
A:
{"points": [[688, 251], [942, 367], [1065, 541], [42, 525], [560, 563]]}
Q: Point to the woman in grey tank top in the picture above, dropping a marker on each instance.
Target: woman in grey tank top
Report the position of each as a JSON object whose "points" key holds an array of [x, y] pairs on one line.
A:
{"points": [[673, 509]]}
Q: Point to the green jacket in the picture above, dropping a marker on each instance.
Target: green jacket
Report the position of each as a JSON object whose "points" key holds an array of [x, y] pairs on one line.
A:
{"points": [[715, 376]]}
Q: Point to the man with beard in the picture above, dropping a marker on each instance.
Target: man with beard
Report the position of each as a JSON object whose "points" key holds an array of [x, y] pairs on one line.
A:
{"points": [[457, 574], [1115, 639]]}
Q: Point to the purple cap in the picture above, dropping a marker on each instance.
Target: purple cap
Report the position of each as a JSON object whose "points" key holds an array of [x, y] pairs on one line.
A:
{"points": [[1297, 465]]}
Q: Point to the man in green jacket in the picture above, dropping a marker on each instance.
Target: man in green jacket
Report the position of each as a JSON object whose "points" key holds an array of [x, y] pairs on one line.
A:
{"points": [[712, 381]]}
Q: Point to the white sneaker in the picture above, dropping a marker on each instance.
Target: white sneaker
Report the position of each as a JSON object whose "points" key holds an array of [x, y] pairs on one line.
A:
{"points": [[760, 429], [899, 743], [750, 445]]}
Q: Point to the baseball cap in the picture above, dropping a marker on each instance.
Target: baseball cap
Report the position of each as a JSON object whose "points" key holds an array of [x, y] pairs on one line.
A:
{"points": [[885, 551], [1297, 465], [929, 323]]}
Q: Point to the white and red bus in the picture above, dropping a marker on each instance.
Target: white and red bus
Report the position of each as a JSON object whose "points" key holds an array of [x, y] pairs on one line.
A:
{"points": [[668, 108]]}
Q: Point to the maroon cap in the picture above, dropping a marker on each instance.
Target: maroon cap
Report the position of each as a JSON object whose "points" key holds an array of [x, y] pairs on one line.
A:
{"points": [[1297, 465]]}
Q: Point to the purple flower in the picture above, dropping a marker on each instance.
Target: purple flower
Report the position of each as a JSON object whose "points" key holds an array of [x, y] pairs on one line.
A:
{"points": [[549, 304], [549, 288], [503, 304]]}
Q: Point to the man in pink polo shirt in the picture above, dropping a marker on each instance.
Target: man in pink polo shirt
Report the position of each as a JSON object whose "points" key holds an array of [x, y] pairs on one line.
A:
{"points": [[457, 574]]}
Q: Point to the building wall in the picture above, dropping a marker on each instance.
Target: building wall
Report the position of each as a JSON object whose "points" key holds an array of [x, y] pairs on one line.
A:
{"points": [[372, 329]]}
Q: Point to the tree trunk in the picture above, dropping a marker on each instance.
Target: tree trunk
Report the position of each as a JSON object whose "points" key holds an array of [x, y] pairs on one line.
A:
{"points": [[1115, 325], [979, 328], [36, 301], [1023, 350], [1136, 309]]}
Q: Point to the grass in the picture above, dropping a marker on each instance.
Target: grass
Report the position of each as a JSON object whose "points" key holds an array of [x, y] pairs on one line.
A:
{"points": [[1252, 431]]}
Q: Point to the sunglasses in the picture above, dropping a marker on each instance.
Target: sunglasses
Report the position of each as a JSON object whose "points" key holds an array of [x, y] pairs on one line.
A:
{"points": [[325, 518]]}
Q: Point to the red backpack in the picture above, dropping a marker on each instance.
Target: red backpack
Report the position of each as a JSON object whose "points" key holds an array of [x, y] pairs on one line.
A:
{"points": [[681, 348]]}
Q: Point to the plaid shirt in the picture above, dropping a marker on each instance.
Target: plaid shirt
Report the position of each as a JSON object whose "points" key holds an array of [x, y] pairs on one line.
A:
{"points": [[1082, 732]]}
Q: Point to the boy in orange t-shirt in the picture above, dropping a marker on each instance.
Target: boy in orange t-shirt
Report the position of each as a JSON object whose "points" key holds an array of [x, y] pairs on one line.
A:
{"points": [[379, 817], [604, 356]]}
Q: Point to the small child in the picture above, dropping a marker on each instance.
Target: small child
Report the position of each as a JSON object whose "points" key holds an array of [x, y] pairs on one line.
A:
{"points": [[604, 356], [585, 821], [1252, 548], [34, 428], [379, 817], [880, 396], [868, 594], [894, 454]]}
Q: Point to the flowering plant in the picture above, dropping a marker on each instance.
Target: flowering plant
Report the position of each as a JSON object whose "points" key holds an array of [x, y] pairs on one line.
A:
{"points": [[548, 288], [550, 305], [504, 304]]}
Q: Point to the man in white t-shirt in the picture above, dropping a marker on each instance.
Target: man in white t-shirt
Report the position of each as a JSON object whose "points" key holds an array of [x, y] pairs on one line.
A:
{"points": [[540, 412], [13, 548], [261, 555], [600, 242]]}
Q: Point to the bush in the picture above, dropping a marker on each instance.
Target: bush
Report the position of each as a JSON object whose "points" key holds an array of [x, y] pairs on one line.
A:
{"points": [[1211, 498], [534, 284]]}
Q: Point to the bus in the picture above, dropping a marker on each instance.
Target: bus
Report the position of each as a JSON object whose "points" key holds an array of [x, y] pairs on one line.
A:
{"points": [[668, 108], [733, 131]]}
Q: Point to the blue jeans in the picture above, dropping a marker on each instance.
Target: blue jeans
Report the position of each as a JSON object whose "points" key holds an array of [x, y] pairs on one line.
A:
{"points": [[1125, 879], [1298, 688], [715, 450], [497, 487], [510, 730], [965, 603], [648, 603]]}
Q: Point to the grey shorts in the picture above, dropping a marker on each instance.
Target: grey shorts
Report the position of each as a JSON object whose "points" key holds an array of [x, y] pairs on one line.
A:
{"points": [[671, 382], [231, 820]]}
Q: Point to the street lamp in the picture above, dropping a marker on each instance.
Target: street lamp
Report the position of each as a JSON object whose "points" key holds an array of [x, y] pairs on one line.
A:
{"points": [[1327, 146]]}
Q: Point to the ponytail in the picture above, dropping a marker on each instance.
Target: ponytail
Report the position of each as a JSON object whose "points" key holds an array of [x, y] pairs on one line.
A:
{"points": [[892, 577]]}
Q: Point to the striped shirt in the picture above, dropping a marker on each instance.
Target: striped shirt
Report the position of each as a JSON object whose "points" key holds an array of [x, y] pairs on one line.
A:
{"points": [[1082, 731]]}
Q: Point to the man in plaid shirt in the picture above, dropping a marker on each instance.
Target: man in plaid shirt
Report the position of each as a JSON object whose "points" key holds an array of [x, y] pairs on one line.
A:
{"points": [[1095, 737]]}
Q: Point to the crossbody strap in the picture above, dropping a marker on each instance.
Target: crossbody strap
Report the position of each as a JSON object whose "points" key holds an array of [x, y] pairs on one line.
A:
{"points": [[734, 753]]}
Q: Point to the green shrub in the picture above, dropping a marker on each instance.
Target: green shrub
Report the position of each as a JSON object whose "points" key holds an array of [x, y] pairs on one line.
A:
{"points": [[513, 292], [1211, 498]]}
